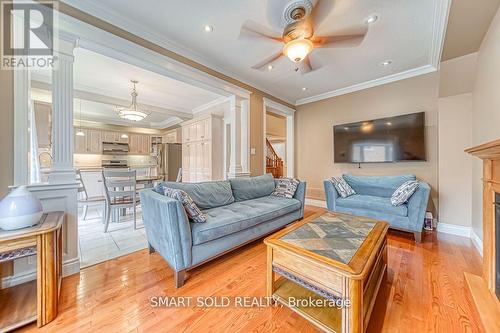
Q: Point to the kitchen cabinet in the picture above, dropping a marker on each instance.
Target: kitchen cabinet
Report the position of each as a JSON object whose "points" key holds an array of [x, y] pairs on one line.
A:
{"points": [[173, 136], [140, 144], [90, 143], [111, 136], [202, 149]]}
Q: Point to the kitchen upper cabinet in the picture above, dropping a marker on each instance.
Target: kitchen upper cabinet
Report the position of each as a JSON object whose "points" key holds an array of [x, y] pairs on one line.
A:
{"points": [[202, 155], [90, 143], [140, 144], [109, 136], [173, 136], [197, 130]]}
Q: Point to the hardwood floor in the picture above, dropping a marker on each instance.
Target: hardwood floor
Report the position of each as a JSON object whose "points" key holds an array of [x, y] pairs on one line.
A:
{"points": [[424, 291]]}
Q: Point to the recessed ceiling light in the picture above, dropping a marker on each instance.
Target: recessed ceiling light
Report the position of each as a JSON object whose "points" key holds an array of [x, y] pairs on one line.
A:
{"points": [[208, 28], [388, 123], [304, 89], [270, 67], [386, 63], [371, 19]]}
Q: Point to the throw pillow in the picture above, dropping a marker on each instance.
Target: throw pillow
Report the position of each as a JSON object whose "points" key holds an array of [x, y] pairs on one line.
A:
{"points": [[285, 187], [404, 192], [343, 188], [193, 212]]}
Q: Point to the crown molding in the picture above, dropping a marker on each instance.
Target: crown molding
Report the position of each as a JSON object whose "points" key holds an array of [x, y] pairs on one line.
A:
{"points": [[211, 104], [369, 84], [440, 22]]}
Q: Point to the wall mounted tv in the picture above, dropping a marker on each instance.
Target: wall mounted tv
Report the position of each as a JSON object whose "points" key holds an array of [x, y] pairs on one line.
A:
{"points": [[393, 139]]}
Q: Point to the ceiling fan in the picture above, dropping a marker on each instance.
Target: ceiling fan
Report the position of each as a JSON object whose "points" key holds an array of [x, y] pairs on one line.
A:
{"points": [[298, 36]]}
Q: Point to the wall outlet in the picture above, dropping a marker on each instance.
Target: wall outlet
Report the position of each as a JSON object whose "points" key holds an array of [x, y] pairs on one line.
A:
{"points": [[252, 151]]}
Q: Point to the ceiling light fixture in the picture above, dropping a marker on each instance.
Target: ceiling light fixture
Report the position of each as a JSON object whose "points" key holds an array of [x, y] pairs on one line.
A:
{"points": [[270, 67], [304, 89], [208, 28], [371, 19], [124, 136], [133, 112], [80, 132], [297, 49], [386, 63]]}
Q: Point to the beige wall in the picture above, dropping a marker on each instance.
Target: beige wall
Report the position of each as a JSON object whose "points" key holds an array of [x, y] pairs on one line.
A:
{"points": [[314, 130], [455, 166], [486, 110], [275, 125]]}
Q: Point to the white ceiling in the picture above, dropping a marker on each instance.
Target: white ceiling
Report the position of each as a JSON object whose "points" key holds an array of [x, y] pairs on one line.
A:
{"points": [[109, 79], [409, 33]]}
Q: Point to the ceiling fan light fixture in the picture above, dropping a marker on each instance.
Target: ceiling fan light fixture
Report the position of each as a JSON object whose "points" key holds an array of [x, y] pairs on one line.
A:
{"points": [[296, 50]]}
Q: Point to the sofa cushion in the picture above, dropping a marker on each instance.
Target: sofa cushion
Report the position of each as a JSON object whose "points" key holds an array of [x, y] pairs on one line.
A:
{"points": [[380, 186], [247, 188], [373, 203], [205, 195], [404, 192], [285, 187], [226, 220]]}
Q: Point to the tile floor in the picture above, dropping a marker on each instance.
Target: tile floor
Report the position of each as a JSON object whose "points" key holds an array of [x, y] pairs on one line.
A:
{"points": [[121, 238]]}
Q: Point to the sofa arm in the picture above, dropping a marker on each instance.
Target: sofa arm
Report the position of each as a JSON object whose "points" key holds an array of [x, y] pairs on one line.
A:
{"points": [[331, 194], [167, 228], [417, 206], [300, 194]]}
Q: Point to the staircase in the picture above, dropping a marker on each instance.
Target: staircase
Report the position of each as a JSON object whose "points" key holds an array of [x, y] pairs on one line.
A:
{"points": [[274, 164]]}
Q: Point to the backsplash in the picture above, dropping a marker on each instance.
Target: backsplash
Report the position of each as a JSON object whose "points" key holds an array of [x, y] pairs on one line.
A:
{"points": [[95, 160]]}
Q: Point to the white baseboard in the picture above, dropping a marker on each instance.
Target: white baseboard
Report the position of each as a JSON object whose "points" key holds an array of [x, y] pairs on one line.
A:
{"points": [[315, 202], [478, 242], [454, 229], [69, 267]]}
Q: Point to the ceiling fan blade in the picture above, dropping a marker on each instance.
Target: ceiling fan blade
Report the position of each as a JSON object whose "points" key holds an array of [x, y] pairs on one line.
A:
{"points": [[320, 12], [338, 41], [305, 66], [261, 65], [251, 29]]}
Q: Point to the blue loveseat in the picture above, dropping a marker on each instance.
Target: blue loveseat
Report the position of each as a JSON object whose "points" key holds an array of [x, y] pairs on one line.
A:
{"points": [[373, 199], [239, 211]]}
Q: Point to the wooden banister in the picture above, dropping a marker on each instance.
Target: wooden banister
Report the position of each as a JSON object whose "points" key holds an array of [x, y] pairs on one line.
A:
{"points": [[274, 164]]}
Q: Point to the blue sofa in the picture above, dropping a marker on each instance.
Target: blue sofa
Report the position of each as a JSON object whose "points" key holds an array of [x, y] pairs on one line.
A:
{"points": [[239, 211], [373, 199]]}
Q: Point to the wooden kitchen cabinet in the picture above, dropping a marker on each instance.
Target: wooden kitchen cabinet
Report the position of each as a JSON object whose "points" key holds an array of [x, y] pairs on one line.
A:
{"points": [[140, 144], [202, 149], [111, 136], [90, 143]]}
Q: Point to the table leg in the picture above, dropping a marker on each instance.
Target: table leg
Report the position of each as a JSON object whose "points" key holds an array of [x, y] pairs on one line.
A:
{"points": [[47, 284], [355, 311], [270, 273]]}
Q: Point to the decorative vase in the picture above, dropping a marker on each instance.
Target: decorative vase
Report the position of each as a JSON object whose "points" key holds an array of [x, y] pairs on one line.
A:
{"points": [[19, 209]]}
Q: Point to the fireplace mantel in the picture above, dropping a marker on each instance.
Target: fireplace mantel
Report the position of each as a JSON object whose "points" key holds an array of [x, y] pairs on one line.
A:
{"points": [[483, 288]]}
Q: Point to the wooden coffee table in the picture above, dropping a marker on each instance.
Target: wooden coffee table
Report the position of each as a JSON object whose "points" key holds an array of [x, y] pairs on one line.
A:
{"points": [[328, 268]]}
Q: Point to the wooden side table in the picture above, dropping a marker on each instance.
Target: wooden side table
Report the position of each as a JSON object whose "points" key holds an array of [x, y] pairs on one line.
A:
{"points": [[328, 258], [18, 303]]}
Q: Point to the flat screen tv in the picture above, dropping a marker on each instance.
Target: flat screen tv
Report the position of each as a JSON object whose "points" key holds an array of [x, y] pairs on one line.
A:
{"points": [[393, 139]]}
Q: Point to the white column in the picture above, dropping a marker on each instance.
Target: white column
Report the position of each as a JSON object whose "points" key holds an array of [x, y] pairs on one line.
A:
{"points": [[62, 115], [239, 137]]}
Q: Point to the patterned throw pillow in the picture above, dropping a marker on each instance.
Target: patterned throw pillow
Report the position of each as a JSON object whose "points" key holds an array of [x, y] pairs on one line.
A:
{"points": [[404, 192], [343, 188], [193, 212], [285, 187]]}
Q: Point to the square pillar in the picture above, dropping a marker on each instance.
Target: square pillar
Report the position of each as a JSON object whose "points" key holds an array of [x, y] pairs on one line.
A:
{"points": [[238, 119]]}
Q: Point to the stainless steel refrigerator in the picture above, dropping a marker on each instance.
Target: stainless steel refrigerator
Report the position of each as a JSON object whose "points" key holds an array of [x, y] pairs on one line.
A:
{"points": [[169, 160]]}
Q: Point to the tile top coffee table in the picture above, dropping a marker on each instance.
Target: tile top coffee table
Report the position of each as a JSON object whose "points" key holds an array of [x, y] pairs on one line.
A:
{"points": [[328, 268]]}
